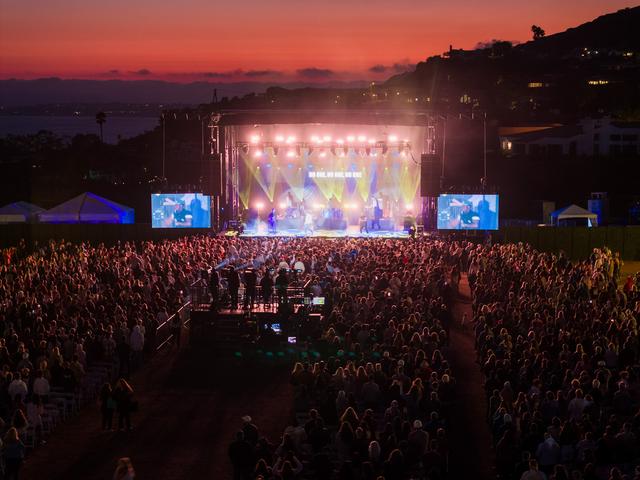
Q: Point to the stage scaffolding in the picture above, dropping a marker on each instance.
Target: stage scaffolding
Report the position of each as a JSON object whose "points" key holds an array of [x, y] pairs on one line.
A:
{"points": [[225, 144]]}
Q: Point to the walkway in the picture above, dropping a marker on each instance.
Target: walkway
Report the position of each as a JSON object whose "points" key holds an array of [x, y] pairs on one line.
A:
{"points": [[472, 455], [190, 409]]}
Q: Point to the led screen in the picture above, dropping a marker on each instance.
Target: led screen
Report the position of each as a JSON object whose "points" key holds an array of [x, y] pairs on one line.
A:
{"points": [[467, 212], [180, 210]]}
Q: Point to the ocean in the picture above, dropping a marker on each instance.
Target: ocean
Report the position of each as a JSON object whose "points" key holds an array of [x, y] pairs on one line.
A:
{"points": [[113, 128]]}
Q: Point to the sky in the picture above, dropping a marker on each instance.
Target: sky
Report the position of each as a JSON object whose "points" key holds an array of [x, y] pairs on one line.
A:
{"points": [[261, 40]]}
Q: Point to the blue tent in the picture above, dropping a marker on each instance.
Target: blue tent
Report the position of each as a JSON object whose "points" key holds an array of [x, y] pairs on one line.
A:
{"points": [[19, 212], [88, 208]]}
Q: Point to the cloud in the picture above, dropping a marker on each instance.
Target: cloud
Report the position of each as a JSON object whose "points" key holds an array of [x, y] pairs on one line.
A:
{"points": [[229, 74], [378, 68], [314, 72], [398, 67], [262, 73], [115, 71], [142, 71]]}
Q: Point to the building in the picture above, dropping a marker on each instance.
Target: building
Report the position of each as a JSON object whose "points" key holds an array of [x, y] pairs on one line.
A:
{"points": [[589, 137]]}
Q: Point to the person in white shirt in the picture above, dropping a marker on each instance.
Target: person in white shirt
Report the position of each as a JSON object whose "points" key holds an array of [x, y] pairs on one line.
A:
{"points": [[18, 388], [41, 386], [136, 341]]}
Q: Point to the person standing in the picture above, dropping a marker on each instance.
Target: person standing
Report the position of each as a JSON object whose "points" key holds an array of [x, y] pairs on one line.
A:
{"points": [[242, 458], [123, 395], [136, 341], [266, 284], [234, 286], [214, 288], [107, 406], [282, 283], [13, 453], [176, 329], [250, 280], [124, 470]]}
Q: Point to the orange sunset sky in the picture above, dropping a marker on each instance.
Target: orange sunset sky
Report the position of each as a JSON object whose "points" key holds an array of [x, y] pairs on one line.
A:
{"points": [[260, 39]]}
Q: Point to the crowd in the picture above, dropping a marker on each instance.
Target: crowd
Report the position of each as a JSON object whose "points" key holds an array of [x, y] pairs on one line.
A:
{"points": [[558, 345], [377, 399], [374, 393], [68, 314]]}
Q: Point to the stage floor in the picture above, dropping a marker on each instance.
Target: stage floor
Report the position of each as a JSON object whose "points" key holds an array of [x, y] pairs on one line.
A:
{"points": [[351, 231]]}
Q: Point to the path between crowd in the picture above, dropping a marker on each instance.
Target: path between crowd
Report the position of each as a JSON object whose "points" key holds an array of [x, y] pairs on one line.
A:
{"points": [[191, 405], [471, 455]]}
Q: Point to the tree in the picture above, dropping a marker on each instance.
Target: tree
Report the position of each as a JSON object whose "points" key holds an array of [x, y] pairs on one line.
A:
{"points": [[537, 31], [101, 118]]}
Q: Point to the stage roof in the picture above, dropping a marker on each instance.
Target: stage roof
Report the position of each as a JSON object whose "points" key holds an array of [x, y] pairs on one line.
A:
{"points": [[347, 117]]}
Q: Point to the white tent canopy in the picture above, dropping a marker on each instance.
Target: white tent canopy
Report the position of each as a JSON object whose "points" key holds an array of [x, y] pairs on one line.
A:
{"points": [[574, 212], [19, 212], [88, 208]]}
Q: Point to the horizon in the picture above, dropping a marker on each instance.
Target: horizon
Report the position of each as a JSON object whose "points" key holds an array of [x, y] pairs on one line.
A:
{"points": [[151, 41]]}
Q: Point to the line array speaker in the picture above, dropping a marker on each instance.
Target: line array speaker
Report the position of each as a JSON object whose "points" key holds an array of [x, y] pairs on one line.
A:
{"points": [[430, 169]]}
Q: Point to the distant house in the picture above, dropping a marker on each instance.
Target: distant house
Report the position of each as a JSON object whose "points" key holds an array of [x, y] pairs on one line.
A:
{"points": [[589, 137]]}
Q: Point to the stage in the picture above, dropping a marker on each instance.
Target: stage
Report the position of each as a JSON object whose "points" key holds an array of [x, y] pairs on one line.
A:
{"points": [[352, 231]]}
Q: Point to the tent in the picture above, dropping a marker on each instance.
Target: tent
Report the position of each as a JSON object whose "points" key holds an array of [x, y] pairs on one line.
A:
{"points": [[88, 208], [19, 212], [574, 212]]}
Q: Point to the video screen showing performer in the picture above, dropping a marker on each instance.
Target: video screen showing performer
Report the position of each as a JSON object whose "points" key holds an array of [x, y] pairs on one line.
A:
{"points": [[180, 210], [467, 212]]}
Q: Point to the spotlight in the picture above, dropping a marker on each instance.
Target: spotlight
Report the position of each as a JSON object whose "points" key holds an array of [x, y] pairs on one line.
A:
{"points": [[283, 206], [372, 141], [393, 138], [279, 138], [257, 154], [409, 206], [259, 206], [327, 138], [351, 138], [291, 139], [340, 141], [323, 154], [255, 139], [317, 206], [362, 138], [291, 154]]}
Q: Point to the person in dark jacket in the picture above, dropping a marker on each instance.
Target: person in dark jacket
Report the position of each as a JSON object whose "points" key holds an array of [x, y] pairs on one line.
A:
{"points": [[241, 455], [234, 285], [123, 395], [13, 453], [107, 406]]}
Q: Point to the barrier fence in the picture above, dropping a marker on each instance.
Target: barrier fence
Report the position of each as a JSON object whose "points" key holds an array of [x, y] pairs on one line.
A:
{"points": [[576, 242]]}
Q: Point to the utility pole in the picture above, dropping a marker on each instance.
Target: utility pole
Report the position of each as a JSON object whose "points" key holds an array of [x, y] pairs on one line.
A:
{"points": [[164, 143]]}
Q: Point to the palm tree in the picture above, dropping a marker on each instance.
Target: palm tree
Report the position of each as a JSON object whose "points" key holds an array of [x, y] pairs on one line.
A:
{"points": [[101, 118]]}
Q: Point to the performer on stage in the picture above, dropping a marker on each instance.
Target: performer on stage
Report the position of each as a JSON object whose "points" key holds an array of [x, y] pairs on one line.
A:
{"points": [[308, 223], [272, 221], [377, 215], [363, 223]]}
